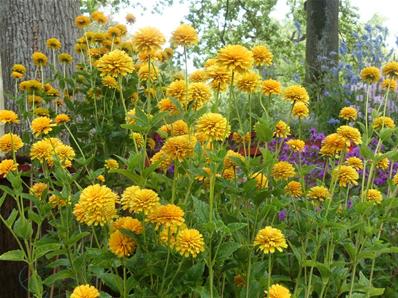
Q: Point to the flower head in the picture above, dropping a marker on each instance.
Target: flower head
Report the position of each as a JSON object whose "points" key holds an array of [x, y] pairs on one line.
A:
{"points": [[130, 18], [190, 243], [370, 74], [348, 113], [7, 166], [236, 58], [135, 199], [319, 193], [383, 122], [85, 291], [383, 163], [10, 142], [19, 68], [219, 77], [145, 73], [300, 110], [282, 130], [167, 215], [261, 180], [39, 59], [199, 75], [96, 205], [351, 134], [354, 162], [167, 105], [389, 84], [346, 175], [213, 126], [82, 21], [248, 82], [185, 35], [333, 144], [198, 94], [296, 93], [128, 223], [374, 195], [99, 17], [179, 147], [231, 157], [177, 90], [296, 145], [162, 159], [42, 125], [269, 87], [7, 116], [38, 189], [262, 56], [110, 82], [294, 189], [121, 245], [270, 239], [53, 43], [111, 164], [278, 291], [148, 39], [61, 118], [116, 63], [390, 69], [283, 170]]}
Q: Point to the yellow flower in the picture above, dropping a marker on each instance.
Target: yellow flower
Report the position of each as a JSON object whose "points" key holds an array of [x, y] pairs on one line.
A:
{"points": [[300, 110], [65, 58], [7, 116], [236, 58], [348, 113], [383, 121], [122, 28], [137, 138], [53, 43], [296, 93], [39, 59], [82, 21], [296, 145], [167, 215], [270, 239], [57, 202], [278, 291], [10, 142], [283, 170], [229, 173], [62, 118], [38, 188], [282, 130], [128, 223], [116, 63], [17, 75], [85, 291], [31, 86], [199, 75], [101, 178], [261, 180], [135, 199], [41, 112], [162, 160], [190, 243], [294, 189], [6, 166], [121, 245], [179, 147], [145, 74], [213, 126], [230, 159], [96, 205], [383, 164], [333, 144], [389, 84], [262, 56], [198, 94], [354, 162], [319, 193], [395, 179], [111, 164], [65, 153], [185, 35], [248, 82], [346, 175], [168, 236], [166, 105], [130, 18], [177, 90], [99, 17], [219, 77], [177, 128], [351, 134], [390, 69], [374, 195], [42, 125], [19, 68], [110, 82], [148, 39], [269, 87], [41, 150], [370, 74]]}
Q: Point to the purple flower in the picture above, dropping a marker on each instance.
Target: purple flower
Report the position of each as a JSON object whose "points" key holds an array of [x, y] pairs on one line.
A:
{"points": [[349, 204], [282, 215]]}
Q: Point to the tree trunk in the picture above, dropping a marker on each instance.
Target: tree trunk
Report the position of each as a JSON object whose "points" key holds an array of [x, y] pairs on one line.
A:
{"points": [[25, 27], [322, 37]]}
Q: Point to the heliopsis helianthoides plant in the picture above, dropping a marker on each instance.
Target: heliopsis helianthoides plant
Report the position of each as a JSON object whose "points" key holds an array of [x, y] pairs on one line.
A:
{"points": [[129, 176]]}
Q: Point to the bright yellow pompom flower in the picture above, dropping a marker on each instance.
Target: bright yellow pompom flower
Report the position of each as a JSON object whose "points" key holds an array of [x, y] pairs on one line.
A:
{"points": [[270, 239], [85, 291], [213, 126], [115, 64]]}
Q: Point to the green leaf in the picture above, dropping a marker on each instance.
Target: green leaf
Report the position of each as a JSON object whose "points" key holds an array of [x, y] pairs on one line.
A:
{"points": [[60, 275], [323, 269], [226, 250], [43, 249], [13, 255], [23, 228], [36, 284]]}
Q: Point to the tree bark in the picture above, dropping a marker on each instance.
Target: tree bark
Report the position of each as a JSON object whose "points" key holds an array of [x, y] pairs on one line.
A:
{"points": [[25, 27], [322, 37]]}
